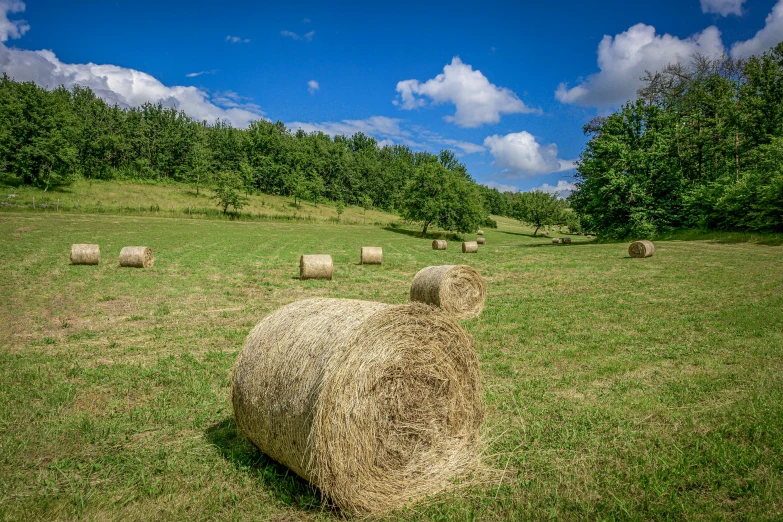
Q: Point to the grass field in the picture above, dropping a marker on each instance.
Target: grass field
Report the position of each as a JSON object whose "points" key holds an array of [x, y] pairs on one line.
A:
{"points": [[617, 388]]}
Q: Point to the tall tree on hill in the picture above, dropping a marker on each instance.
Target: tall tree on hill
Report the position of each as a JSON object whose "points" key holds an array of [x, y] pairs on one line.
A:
{"points": [[538, 209]]}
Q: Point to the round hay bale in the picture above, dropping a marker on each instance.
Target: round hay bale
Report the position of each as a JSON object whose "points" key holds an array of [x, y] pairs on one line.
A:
{"points": [[566, 240], [480, 232], [439, 244], [556, 240], [458, 289], [347, 394], [642, 248], [84, 254], [589, 236], [481, 241], [469, 247], [371, 256], [316, 267], [137, 257]]}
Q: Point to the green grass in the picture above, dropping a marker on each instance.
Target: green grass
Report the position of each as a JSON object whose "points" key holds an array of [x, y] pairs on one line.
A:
{"points": [[616, 388]]}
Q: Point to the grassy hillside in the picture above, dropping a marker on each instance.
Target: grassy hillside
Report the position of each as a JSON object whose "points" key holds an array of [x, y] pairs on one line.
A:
{"points": [[617, 388], [118, 197]]}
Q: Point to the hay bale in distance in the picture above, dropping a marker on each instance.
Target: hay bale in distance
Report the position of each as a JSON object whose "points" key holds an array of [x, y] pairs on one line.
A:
{"points": [[469, 247], [316, 267], [85, 254], [345, 393], [566, 240], [458, 289], [556, 240], [137, 257], [481, 241], [439, 244], [480, 232], [371, 256], [641, 249]]}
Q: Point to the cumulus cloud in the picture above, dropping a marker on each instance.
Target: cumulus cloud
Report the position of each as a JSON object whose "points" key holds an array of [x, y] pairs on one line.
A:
{"points": [[563, 189], [722, 7], [521, 155], [11, 28], [296, 36], [501, 187], [237, 39], [312, 86], [122, 86], [623, 60], [769, 36], [477, 100]]}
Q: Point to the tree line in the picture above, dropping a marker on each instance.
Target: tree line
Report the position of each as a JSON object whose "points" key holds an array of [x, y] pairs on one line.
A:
{"points": [[701, 147], [49, 138]]}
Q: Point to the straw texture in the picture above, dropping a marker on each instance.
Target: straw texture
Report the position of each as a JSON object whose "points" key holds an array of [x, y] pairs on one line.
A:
{"points": [[481, 241], [377, 405], [566, 240], [458, 289], [642, 248], [556, 240], [480, 232], [439, 244], [84, 254], [316, 267], [137, 257], [371, 256], [469, 247]]}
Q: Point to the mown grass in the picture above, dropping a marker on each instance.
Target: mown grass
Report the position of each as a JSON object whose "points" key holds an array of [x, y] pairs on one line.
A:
{"points": [[617, 388]]}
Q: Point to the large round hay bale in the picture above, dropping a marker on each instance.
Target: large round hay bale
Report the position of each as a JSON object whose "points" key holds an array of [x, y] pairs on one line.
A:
{"points": [[469, 247], [371, 256], [566, 240], [642, 248], [481, 241], [85, 254], [439, 244], [556, 240], [377, 405], [457, 289], [137, 257], [480, 232], [316, 267]]}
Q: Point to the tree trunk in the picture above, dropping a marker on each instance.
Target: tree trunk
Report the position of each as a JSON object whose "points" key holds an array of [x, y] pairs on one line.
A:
{"points": [[536, 231], [426, 225]]}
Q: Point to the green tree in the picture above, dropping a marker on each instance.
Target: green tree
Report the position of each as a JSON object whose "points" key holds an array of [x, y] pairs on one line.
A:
{"points": [[228, 191], [340, 209], [538, 209]]}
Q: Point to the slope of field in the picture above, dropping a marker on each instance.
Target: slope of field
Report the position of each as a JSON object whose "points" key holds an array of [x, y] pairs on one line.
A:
{"points": [[617, 388]]}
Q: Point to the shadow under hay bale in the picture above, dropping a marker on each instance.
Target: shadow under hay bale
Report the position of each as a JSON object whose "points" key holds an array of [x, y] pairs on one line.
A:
{"points": [[85, 254], [469, 247], [458, 289], [639, 249], [316, 267], [439, 244], [137, 257], [371, 256], [481, 241], [345, 393]]}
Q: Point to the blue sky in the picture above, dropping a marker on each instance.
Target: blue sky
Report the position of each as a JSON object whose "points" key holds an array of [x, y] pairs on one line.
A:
{"points": [[507, 86]]}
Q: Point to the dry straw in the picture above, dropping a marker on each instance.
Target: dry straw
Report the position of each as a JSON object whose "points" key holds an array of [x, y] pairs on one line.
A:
{"points": [[83, 254], [439, 244], [481, 241], [137, 257], [480, 232], [458, 289], [556, 240], [376, 405], [371, 256], [642, 248], [469, 247], [316, 267]]}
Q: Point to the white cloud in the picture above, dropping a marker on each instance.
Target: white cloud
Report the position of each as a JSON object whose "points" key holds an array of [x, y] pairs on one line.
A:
{"points": [[465, 146], [195, 74], [522, 156], [11, 28], [377, 126], [237, 39], [722, 7], [296, 36], [501, 187], [769, 36], [622, 60], [477, 100], [122, 86], [313, 86], [563, 189]]}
